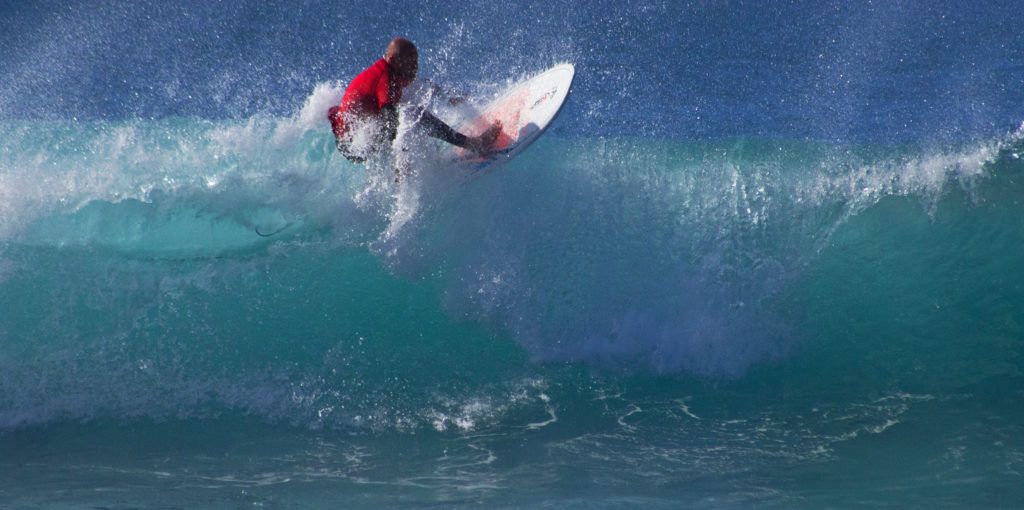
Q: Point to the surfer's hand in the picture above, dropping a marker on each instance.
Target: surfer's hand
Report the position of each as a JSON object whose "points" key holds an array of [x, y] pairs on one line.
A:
{"points": [[482, 144]]}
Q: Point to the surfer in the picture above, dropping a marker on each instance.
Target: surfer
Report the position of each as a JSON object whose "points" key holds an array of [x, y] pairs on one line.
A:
{"points": [[366, 120]]}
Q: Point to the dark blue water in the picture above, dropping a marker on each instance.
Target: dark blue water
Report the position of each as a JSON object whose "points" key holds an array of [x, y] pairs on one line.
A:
{"points": [[768, 255]]}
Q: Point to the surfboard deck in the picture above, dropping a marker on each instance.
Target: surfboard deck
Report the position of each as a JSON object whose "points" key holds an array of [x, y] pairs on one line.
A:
{"points": [[525, 110]]}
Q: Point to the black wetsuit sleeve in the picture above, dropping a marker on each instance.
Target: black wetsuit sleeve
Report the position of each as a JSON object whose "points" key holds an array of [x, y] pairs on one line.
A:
{"points": [[436, 128]]}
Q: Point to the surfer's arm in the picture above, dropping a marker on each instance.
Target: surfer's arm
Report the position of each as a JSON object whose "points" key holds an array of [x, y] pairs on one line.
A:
{"points": [[436, 128], [432, 125], [453, 98]]}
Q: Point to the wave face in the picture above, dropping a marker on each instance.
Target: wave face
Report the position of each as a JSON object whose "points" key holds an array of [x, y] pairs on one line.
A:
{"points": [[755, 247], [626, 255]]}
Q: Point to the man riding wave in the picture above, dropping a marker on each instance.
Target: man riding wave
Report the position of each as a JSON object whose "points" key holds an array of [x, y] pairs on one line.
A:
{"points": [[366, 120]]}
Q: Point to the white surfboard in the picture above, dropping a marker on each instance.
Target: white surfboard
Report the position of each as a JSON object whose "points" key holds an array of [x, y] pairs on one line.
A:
{"points": [[525, 110]]}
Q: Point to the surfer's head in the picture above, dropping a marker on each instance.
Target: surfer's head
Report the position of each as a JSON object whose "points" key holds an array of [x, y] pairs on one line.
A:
{"points": [[403, 58]]}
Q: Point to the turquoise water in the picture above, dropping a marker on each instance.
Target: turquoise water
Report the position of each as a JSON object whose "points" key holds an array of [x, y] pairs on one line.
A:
{"points": [[794, 285]]}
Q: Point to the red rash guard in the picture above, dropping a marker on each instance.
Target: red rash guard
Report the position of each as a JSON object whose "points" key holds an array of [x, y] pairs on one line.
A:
{"points": [[366, 95]]}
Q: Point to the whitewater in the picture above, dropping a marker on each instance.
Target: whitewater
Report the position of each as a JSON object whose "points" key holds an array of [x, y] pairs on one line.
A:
{"points": [[767, 256]]}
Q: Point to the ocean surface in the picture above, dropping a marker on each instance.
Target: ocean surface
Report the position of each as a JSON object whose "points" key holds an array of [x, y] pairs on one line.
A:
{"points": [[769, 255]]}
